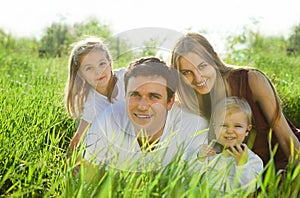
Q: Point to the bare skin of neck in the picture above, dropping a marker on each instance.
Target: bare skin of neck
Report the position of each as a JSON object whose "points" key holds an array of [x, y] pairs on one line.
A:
{"points": [[149, 143], [105, 91]]}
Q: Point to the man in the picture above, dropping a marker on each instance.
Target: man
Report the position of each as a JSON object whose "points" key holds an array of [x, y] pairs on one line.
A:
{"points": [[148, 130]]}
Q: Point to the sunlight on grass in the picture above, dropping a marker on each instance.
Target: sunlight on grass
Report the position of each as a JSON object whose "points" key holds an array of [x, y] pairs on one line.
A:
{"points": [[36, 131]]}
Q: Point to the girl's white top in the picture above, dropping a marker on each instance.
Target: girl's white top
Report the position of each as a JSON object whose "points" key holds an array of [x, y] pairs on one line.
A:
{"points": [[97, 102]]}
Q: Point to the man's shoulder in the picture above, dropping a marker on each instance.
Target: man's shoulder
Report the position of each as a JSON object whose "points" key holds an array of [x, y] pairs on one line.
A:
{"points": [[114, 111], [185, 122], [183, 114], [113, 119]]}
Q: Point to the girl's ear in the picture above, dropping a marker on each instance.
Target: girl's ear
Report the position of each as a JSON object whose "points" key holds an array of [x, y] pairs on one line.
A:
{"points": [[80, 76], [249, 127], [110, 64]]}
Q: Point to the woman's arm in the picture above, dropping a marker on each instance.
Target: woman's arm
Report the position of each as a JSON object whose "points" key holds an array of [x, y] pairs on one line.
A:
{"points": [[263, 94]]}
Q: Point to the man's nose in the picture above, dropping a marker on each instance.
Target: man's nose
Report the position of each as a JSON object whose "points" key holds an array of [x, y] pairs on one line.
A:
{"points": [[143, 103]]}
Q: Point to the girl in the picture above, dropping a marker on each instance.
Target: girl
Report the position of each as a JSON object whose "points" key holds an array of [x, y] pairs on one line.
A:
{"points": [[207, 79], [92, 84]]}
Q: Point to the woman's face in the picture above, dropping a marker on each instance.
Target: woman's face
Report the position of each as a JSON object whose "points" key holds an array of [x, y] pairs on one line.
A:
{"points": [[198, 73]]}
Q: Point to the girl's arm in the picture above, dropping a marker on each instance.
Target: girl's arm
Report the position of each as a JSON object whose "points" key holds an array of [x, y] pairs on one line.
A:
{"points": [[264, 95], [83, 125]]}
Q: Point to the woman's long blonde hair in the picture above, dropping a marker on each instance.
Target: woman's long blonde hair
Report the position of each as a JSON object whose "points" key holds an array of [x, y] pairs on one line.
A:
{"points": [[197, 103], [204, 104], [77, 88]]}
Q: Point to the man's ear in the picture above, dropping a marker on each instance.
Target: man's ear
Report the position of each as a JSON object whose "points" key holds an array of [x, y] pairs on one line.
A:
{"points": [[171, 102]]}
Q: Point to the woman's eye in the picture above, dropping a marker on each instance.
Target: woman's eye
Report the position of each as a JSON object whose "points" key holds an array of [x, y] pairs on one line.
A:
{"points": [[202, 66], [186, 72]]}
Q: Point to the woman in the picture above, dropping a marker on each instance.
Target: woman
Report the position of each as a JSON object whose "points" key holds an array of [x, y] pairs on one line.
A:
{"points": [[211, 80]]}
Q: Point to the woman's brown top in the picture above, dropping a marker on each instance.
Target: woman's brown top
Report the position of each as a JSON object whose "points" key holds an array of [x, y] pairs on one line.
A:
{"points": [[258, 137]]}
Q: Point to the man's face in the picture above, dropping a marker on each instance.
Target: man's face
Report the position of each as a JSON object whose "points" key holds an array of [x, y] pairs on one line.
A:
{"points": [[147, 103]]}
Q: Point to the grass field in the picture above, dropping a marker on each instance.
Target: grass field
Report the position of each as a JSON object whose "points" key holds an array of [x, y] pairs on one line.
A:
{"points": [[35, 132]]}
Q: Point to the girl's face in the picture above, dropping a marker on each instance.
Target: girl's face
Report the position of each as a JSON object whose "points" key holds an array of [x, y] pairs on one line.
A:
{"points": [[231, 129], [96, 70], [198, 73]]}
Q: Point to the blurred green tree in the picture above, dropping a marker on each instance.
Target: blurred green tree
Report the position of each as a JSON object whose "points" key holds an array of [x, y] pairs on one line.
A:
{"points": [[294, 41], [56, 40]]}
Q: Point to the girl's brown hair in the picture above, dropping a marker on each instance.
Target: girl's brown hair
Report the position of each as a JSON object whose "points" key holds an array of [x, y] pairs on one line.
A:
{"points": [[77, 88]]}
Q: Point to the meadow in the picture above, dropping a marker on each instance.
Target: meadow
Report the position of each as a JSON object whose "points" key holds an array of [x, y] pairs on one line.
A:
{"points": [[35, 132]]}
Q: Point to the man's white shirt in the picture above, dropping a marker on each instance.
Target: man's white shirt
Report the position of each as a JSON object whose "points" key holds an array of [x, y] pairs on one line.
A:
{"points": [[112, 141]]}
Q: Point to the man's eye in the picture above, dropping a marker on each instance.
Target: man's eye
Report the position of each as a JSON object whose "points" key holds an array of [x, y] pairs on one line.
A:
{"points": [[154, 97], [134, 94]]}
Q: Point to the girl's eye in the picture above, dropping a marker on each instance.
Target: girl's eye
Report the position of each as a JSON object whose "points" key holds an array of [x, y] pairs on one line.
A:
{"points": [[102, 64], [88, 68]]}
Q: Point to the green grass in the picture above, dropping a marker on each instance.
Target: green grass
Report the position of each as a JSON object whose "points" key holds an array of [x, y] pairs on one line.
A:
{"points": [[35, 132]]}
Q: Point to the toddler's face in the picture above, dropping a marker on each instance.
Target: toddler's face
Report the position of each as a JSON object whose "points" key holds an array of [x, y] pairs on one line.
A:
{"points": [[231, 128]]}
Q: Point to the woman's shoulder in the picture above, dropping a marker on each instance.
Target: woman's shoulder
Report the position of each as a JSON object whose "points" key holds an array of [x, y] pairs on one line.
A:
{"points": [[256, 77], [251, 73], [260, 85]]}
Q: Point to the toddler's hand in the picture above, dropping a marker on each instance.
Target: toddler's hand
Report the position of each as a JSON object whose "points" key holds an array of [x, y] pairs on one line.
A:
{"points": [[240, 153], [205, 150]]}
